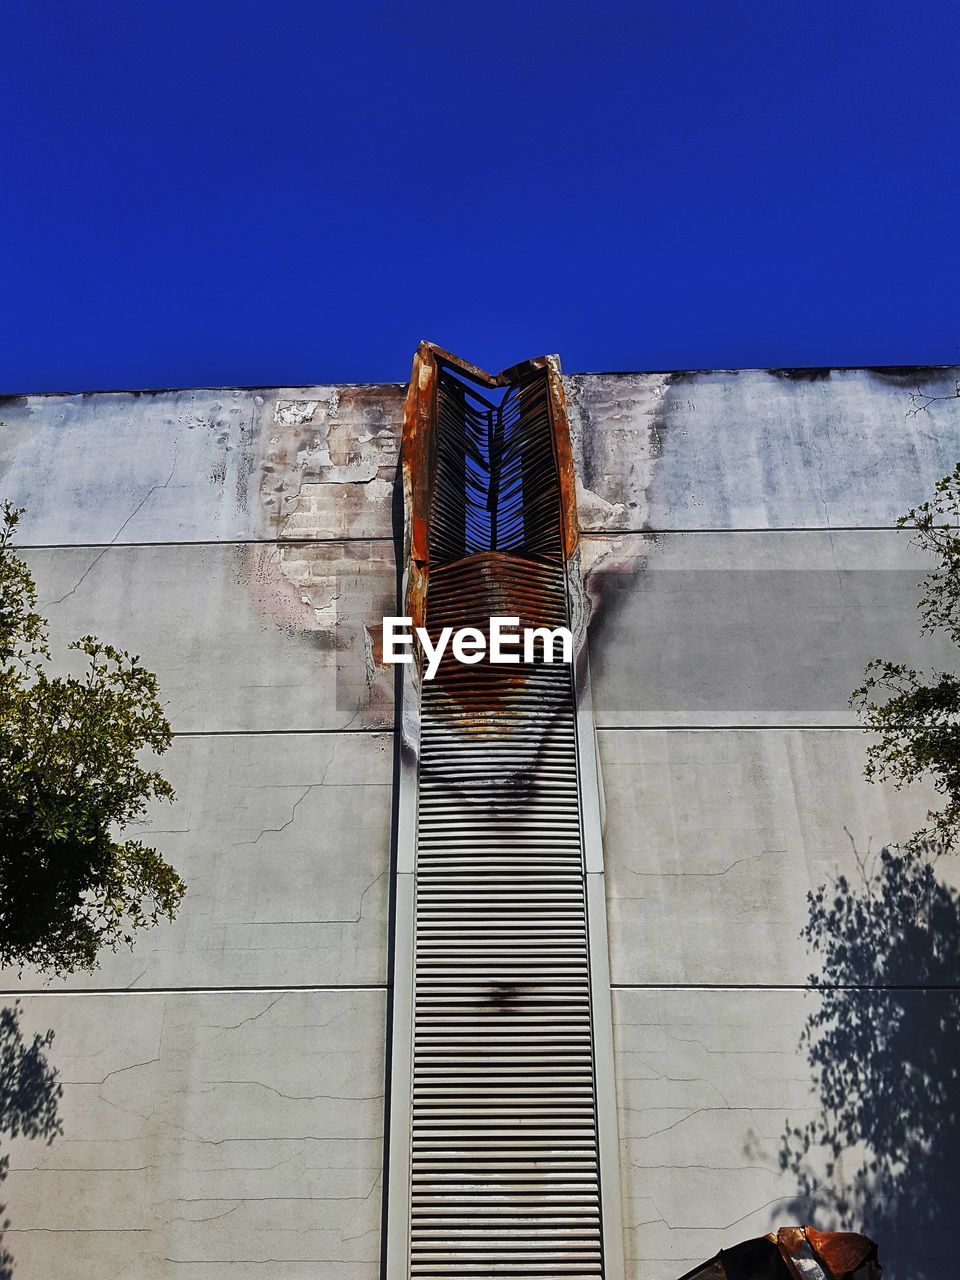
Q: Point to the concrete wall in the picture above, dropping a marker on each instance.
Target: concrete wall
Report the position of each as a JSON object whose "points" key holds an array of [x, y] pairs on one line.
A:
{"points": [[222, 1109]]}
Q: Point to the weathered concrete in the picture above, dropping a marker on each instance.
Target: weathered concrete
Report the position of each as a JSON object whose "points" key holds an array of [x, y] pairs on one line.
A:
{"points": [[759, 449], [699, 629], [205, 1136], [713, 838], [708, 450], [241, 637], [237, 1132], [202, 466], [284, 843], [708, 1083], [705, 1083], [750, 628]]}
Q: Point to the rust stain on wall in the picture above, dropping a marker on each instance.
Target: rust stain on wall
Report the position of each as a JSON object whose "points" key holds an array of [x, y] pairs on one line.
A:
{"points": [[331, 597], [328, 465]]}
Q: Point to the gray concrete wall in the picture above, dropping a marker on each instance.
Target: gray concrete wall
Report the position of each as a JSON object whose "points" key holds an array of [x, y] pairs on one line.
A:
{"points": [[222, 1109], [749, 449], [208, 1135]]}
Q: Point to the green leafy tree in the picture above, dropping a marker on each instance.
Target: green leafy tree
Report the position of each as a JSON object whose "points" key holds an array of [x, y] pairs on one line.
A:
{"points": [[70, 782], [916, 719]]}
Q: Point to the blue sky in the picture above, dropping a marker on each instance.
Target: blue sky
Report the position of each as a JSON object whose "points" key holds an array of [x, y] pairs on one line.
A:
{"points": [[239, 193]]}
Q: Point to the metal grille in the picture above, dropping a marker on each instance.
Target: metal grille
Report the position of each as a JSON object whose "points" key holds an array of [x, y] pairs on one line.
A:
{"points": [[504, 1169]]}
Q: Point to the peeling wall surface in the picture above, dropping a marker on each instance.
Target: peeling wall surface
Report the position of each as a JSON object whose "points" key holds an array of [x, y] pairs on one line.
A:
{"points": [[223, 1081]]}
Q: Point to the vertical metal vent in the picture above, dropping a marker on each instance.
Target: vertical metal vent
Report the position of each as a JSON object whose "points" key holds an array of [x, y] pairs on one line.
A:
{"points": [[499, 1100]]}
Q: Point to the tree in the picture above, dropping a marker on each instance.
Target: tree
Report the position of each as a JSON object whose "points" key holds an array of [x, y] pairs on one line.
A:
{"points": [[70, 782], [917, 723]]}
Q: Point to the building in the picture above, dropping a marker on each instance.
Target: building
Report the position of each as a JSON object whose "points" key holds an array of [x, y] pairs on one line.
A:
{"points": [[224, 1082]]}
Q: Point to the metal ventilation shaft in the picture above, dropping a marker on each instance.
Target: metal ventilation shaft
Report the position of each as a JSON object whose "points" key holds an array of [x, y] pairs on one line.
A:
{"points": [[502, 1114]]}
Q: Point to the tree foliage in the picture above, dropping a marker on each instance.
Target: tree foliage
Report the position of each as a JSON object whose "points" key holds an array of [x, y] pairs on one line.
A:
{"points": [[70, 782], [916, 719]]}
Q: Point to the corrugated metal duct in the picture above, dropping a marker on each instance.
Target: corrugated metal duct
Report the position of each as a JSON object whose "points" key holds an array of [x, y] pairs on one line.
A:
{"points": [[502, 1157]]}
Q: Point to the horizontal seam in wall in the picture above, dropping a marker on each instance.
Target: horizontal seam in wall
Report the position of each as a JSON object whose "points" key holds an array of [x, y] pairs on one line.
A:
{"points": [[187, 991], [198, 542], [781, 986], [266, 733], [610, 728], [733, 728], [603, 534], [767, 528], [14, 992]]}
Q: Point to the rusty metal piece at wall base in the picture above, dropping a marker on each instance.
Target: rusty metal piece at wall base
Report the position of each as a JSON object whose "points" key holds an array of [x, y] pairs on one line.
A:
{"points": [[843, 1255], [795, 1253]]}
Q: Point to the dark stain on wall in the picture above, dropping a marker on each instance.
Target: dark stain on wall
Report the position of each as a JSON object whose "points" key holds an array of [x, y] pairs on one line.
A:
{"points": [[802, 375]]}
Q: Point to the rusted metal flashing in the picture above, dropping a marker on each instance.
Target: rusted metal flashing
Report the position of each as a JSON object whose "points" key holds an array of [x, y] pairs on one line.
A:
{"points": [[416, 460], [418, 453], [795, 1253]]}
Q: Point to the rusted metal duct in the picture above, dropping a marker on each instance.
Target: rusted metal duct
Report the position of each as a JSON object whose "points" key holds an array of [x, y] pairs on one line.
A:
{"points": [[795, 1253], [503, 1155]]}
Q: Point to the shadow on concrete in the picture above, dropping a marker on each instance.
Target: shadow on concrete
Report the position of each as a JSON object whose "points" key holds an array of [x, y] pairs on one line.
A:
{"points": [[882, 1151], [29, 1097]]}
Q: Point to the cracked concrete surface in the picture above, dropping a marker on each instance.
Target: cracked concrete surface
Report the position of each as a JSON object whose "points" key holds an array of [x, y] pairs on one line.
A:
{"points": [[284, 842], [713, 838], [171, 1161], [241, 637], [707, 1082], [701, 450], [223, 1110]]}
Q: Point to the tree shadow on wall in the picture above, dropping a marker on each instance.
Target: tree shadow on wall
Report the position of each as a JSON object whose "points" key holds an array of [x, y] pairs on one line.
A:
{"points": [[29, 1097], [882, 1154]]}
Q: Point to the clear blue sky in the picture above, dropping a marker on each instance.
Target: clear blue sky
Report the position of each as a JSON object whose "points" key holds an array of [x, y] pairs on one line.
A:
{"points": [[219, 192]]}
